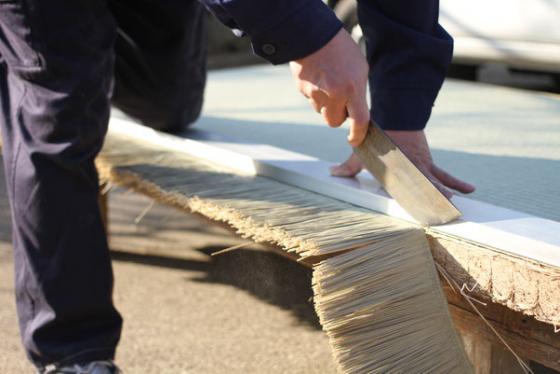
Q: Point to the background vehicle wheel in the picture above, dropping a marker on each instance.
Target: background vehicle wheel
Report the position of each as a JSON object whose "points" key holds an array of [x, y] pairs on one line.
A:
{"points": [[556, 78], [463, 71]]}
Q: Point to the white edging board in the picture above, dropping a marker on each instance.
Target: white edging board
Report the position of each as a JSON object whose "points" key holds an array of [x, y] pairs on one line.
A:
{"points": [[516, 233]]}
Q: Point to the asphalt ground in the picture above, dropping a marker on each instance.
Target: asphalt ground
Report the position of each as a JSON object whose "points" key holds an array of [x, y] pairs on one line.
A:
{"points": [[246, 311]]}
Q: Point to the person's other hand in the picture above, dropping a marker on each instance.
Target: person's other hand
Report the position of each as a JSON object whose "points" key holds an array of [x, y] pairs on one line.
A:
{"points": [[415, 147], [334, 79]]}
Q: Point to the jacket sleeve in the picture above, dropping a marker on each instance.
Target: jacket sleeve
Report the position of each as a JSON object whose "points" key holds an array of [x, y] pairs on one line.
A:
{"points": [[409, 54], [280, 30]]}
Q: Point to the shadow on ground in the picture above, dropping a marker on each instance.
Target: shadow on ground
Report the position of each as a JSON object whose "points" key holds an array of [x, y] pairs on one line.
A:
{"points": [[265, 275], [169, 238]]}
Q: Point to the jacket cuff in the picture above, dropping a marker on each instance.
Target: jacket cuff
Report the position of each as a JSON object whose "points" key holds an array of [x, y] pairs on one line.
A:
{"points": [[300, 34], [405, 110]]}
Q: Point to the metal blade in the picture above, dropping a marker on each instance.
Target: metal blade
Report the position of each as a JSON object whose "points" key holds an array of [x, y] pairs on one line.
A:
{"points": [[403, 180]]}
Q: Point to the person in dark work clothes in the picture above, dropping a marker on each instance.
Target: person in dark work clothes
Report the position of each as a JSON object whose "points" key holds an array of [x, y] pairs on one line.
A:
{"points": [[63, 63]]}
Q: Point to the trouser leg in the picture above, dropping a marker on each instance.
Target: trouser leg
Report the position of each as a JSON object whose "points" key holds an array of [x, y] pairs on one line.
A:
{"points": [[160, 69], [54, 91]]}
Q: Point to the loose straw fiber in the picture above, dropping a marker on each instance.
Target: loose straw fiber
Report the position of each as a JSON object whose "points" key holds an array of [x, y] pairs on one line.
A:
{"points": [[376, 292]]}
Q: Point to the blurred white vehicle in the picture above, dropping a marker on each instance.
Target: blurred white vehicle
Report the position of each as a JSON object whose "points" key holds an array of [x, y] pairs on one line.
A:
{"points": [[523, 34]]}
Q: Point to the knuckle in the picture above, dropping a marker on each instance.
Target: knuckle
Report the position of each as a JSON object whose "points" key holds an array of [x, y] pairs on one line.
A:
{"points": [[343, 90], [340, 88], [337, 92], [315, 93]]}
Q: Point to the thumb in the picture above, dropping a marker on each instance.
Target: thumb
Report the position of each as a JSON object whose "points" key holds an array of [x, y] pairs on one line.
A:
{"points": [[349, 168], [358, 115]]}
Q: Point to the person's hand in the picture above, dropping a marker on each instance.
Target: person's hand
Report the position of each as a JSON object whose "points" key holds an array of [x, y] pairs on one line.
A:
{"points": [[334, 79], [415, 147]]}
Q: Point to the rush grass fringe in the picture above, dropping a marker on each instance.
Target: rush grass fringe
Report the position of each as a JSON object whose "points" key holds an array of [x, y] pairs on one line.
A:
{"points": [[376, 292], [384, 311]]}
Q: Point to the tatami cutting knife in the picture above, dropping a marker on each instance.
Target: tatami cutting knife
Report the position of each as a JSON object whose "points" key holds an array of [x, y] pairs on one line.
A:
{"points": [[403, 180]]}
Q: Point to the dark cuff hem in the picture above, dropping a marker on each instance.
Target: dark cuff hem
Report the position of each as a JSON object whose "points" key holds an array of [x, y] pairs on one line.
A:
{"points": [[404, 110], [82, 358], [302, 33]]}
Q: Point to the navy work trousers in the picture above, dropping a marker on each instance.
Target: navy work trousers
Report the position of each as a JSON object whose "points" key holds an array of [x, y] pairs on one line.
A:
{"points": [[60, 63]]}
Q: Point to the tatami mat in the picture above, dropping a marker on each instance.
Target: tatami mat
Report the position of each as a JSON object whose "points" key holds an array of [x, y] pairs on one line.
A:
{"points": [[506, 141]]}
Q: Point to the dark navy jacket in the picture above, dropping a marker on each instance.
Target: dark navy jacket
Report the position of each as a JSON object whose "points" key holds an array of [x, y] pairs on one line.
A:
{"points": [[408, 51]]}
